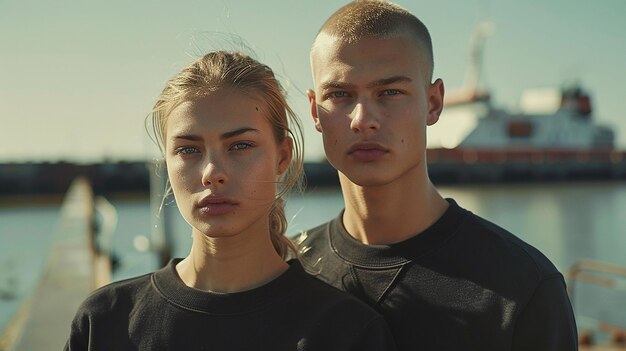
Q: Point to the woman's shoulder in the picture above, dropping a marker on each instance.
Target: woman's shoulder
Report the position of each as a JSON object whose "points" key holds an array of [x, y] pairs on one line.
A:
{"points": [[106, 307], [116, 295]]}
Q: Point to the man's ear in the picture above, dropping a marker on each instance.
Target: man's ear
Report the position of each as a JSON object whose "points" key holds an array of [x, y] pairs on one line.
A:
{"points": [[311, 94], [435, 102]]}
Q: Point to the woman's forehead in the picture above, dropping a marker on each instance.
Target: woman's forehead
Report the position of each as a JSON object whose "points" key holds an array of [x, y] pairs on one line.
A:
{"points": [[217, 113]]}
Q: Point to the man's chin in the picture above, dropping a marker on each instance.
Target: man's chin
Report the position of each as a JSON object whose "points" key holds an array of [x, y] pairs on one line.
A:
{"points": [[363, 179]]}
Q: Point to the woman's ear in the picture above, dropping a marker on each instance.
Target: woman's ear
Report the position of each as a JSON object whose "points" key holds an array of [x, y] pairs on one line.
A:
{"points": [[285, 154]]}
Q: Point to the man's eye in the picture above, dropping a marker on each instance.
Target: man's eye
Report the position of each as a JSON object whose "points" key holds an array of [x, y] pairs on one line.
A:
{"points": [[391, 92], [337, 94]]}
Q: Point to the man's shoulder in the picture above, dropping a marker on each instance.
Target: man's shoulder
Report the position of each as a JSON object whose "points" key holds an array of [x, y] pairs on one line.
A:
{"points": [[315, 238], [319, 229], [324, 295], [316, 253], [504, 247]]}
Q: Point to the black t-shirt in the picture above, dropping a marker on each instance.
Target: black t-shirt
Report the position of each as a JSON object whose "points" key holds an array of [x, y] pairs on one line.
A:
{"points": [[158, 311], [462, 284]]}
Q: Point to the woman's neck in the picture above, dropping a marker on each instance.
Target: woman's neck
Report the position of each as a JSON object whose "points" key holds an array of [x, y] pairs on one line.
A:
{"points": [[230, 264]]}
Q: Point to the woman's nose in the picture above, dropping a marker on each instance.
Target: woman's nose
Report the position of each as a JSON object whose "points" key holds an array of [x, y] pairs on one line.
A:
{"points": [[213, 174]]}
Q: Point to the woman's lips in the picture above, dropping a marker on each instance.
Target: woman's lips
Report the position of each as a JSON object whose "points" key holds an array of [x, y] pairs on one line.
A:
{"points": [[214, 206]]}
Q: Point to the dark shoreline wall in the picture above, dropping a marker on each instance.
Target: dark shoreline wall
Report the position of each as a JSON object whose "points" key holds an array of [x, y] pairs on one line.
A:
{"points": [[111, 178], [108, 178], [55, 178]]}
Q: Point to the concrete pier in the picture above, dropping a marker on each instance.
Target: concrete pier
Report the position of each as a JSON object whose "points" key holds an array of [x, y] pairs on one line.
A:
{"points": [[74, 269]]}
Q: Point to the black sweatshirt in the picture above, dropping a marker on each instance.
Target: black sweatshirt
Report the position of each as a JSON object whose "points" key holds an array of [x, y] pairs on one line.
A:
{"points": [[158, 311], [462, 284]]}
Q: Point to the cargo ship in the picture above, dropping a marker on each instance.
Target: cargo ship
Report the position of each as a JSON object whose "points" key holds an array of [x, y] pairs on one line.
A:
{"points": [[553, 136], [497, 145]]}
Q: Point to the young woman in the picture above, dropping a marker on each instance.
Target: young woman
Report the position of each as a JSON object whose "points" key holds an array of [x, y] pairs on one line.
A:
{"points": [[231, 148]]}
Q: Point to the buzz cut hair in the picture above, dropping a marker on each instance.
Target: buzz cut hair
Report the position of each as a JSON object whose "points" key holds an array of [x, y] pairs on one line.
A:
{"points": [[378, 19]]}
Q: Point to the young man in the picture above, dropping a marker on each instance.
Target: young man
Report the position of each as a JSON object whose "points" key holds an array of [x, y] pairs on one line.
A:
{"points": [[444, 278]]}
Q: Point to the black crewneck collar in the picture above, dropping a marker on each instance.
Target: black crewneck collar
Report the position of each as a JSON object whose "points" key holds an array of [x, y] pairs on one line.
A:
{"points": [[172, 288], [382, 256]]}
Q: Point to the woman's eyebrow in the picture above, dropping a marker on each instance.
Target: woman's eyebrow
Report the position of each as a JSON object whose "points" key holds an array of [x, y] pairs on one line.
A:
{"points": [[189, 137], [238, 131], [223, 136]]}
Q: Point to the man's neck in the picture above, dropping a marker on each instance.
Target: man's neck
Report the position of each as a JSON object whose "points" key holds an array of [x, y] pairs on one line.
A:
{"points": [[392, 212]]}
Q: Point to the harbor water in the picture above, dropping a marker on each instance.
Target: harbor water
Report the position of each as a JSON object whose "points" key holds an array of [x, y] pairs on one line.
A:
{"points": [[566, 221]]}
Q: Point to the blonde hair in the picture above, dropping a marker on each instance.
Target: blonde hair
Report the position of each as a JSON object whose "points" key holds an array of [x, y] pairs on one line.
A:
{"points": [[219, 70], [378, 19]]}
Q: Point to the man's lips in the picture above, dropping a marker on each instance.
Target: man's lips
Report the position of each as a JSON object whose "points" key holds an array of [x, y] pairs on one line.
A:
{"points": [[367, 151], [216, 205]]}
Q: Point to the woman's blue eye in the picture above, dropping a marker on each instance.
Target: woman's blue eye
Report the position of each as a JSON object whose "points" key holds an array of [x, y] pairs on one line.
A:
{"points": [[241, 146], [186, 150]]}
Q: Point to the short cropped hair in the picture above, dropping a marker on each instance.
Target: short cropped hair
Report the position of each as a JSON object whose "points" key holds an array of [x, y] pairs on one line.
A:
{"points": [[377, 19]]}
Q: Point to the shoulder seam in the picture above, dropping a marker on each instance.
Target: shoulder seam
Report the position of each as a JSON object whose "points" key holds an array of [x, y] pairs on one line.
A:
{"points": [[540, 275], [539, 283]]}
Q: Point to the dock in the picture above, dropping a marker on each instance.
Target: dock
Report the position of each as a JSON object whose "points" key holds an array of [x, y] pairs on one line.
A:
{"points": [[74, 268]]}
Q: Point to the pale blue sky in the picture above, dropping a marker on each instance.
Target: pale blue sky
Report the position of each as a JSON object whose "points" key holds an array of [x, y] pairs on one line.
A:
{"points": [[77, 77]]}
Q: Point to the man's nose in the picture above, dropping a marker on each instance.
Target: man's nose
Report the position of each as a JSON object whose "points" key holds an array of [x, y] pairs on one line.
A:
{"points": [[364, 117]]}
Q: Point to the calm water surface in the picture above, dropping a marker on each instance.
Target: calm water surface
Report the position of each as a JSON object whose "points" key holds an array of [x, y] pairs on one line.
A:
{"points": [[566, 221], [25, 234]]}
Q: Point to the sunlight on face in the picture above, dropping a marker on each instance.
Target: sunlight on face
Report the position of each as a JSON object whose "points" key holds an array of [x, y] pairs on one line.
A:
{"points": [[372, 104], [223, 161]]}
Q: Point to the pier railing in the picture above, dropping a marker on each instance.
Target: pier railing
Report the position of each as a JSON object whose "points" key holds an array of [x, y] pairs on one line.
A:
{"points": [[597, 332]]}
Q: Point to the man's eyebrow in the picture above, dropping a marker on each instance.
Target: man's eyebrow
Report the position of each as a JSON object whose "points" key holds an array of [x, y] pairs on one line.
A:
{"points": [[390, 80], [335, 85], [376, 83]]}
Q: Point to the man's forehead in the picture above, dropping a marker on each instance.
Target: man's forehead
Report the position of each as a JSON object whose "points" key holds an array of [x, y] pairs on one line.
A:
{"points": [[327, 53], [325, 47], [323, 40]]}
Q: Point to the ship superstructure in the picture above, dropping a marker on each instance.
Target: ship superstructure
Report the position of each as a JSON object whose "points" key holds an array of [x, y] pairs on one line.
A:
{"points": [[553, 135]]}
